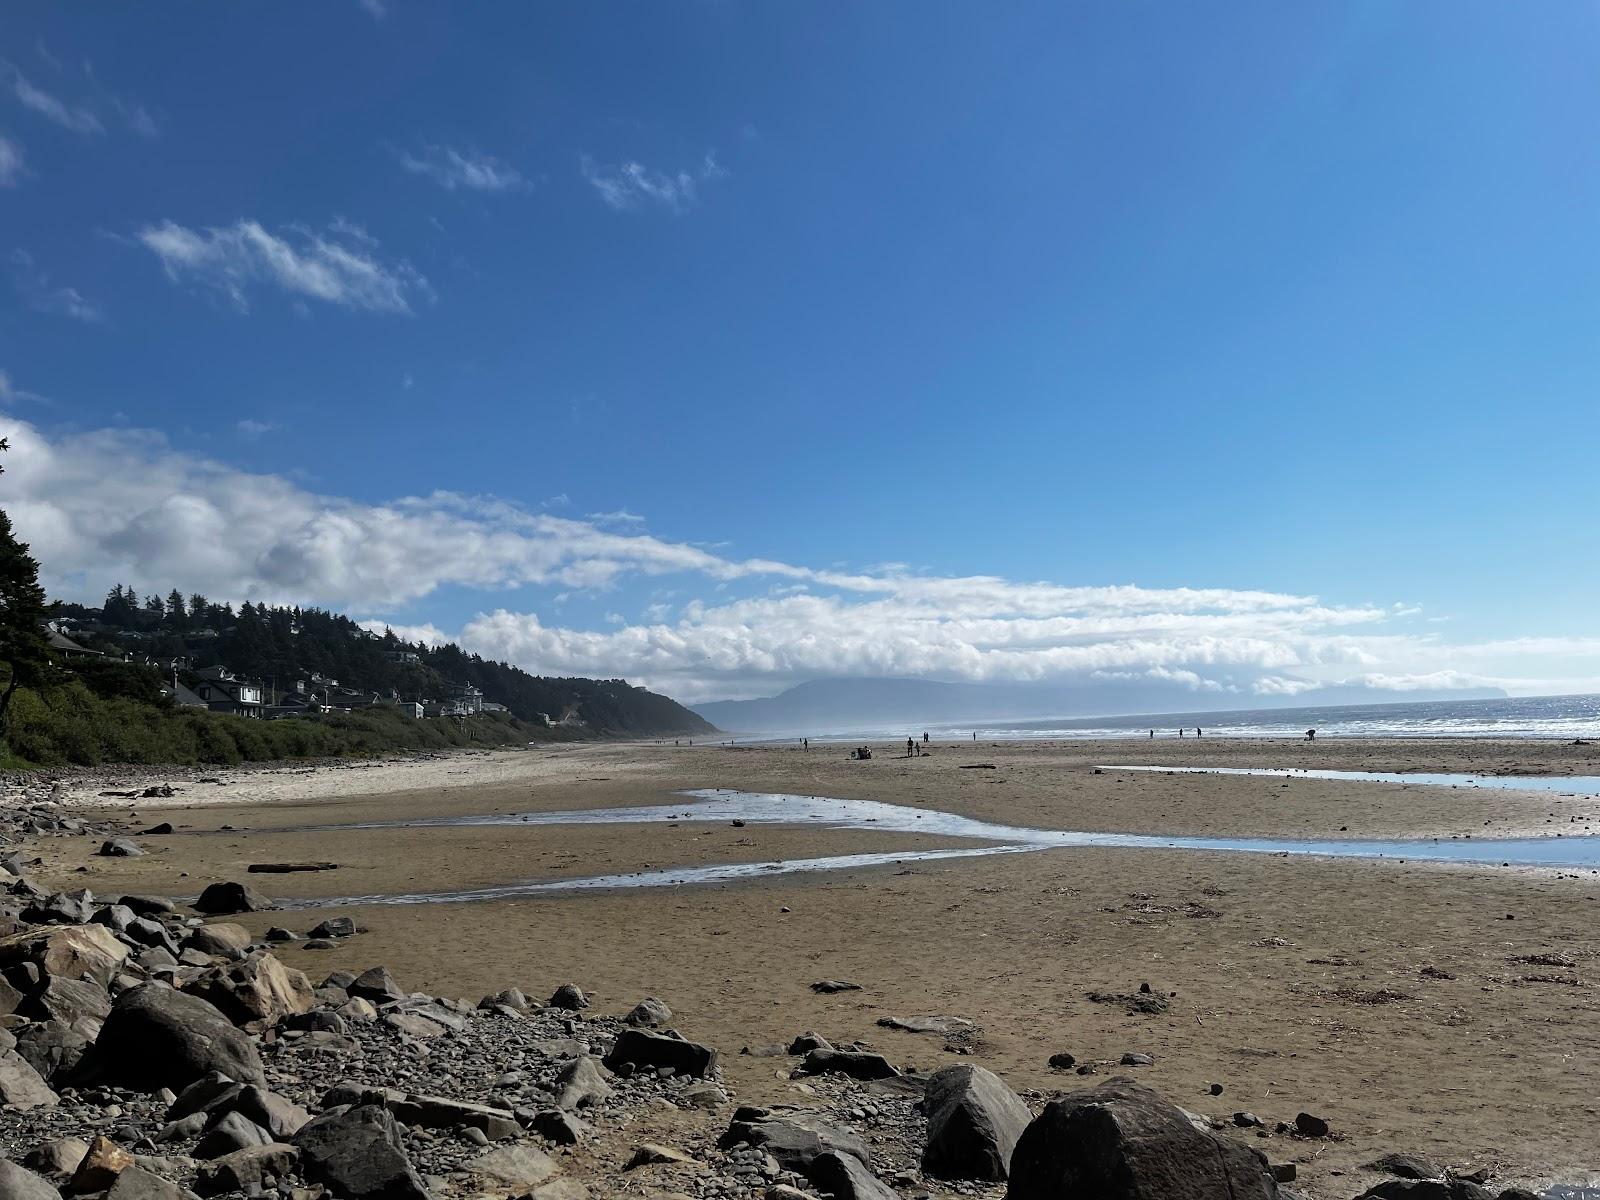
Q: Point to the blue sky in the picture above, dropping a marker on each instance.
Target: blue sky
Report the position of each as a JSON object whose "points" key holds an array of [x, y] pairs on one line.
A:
{"points": [[387, 306]]}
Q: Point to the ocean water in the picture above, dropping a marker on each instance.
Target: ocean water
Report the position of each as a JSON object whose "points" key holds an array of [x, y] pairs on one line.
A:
{"points": [[1565, 717]]}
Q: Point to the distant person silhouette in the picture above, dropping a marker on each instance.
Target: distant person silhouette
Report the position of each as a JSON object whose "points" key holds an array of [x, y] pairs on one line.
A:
{"points": [[1311, 735], [1180, 733], [1152, 734], [1198, 731], [924, 736]]}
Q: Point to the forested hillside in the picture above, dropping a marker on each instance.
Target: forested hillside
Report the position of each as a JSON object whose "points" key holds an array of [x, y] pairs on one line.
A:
{"points": [[284, 646]]}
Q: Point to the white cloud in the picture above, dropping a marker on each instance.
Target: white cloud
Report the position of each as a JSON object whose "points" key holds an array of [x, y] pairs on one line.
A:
{"points": [[251, 428], [452, 169], [376, 9], [138, 118], [631, 184], [41, 295], [78, 118], [112, 506], [340, 266], [621, 517], [12, 168]]}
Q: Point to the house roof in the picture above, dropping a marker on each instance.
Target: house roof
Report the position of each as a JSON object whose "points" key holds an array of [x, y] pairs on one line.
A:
{"points": [[65, 644]]}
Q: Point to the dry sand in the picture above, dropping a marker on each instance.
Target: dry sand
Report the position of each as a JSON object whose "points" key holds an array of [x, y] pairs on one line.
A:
{"points": [[1447, 1011]]}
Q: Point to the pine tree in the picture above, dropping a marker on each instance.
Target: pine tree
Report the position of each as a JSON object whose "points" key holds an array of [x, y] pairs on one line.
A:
{"points": [[24, 647], [177, 617]]}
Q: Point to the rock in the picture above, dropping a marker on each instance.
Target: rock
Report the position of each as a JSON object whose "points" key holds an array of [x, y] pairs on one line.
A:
{"points": [[560, 1127], [358, 1155], [16, 1183], [159, 830], [61, 908], [827, 987], [221, 937], [69, 1001], [649, 1013], [223, 898], [1063, 1061], [1309, 1126], [120, 848], [511, 998], [974, 1121], [376, 985], [1406, 1166], [809, 1041], [231, 1132], [357, 1010], [1137, 1060], [1409, 1189], [793, 1137], [211, 1090], [640, 1048], [846, 1177], [581, 1083], [101, 1165], [648, 1153], [1124, 1141], [54, 1049], [256, 992], [157, 1037], [243, 1169], [333, 927], [21, 1086], [944, 1026], [413, 1025], [148, 906], [89, 952], [513, 1168], [439, 1112], [570, 996], [857, 1064], [136, 1183], [57, 1159]]}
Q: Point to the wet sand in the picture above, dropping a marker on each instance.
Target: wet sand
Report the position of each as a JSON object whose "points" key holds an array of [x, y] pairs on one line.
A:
{"points": [[1448, 1011]]}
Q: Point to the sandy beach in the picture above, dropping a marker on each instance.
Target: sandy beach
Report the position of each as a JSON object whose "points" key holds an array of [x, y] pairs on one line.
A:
{"points": [[1449, 1011]]}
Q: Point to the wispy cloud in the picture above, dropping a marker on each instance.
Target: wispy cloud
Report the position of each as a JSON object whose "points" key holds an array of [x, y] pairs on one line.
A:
{"points": [[10, 393], [251, 428], [78, 118], [376, 9], [621, 517], [41, 294], [452, 169], [138, 118], [631, 184], [339, 266], [12, 168]]}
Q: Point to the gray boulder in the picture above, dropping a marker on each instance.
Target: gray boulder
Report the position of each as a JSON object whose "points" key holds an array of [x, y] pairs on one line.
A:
{"points": [[53, 1049], [358, 1155], [120, 848], [974, 1121], [794, 1137], [636, 1048], [156, 1037], [1124, 1141], [857, 1064], [223, 898], [68, 1001], [846, 1177], [376, 985], [21, 1086], [244, 1169], [1407, 1166], [17, 1183], [136, 1183], [649, 1013], [581, 1083], [231, 1132]]}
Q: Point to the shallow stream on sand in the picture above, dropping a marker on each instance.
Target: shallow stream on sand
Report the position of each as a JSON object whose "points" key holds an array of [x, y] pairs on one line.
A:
{"points": [[773, 808]]}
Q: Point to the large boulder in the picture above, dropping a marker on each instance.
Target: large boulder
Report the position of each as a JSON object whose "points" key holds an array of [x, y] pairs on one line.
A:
{"points": [[1124, 1141], [17, 1183], [358, 1155], [256, 992], [221, 899], [794, 1137], [639, 1048], [221, 937], [54, 1049], [857, 1064], [89, 952], [974, 1121], [846, 1177], [239, 1171], [70, 1001], [156, 1037], [21, 1086]]}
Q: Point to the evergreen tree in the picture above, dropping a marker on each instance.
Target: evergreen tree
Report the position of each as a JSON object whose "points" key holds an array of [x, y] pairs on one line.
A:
{"points": [[24, 647], [177, 616]]}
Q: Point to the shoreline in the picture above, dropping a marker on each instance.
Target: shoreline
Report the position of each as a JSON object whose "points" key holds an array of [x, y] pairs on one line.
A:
{"points": [[1389, 995]]}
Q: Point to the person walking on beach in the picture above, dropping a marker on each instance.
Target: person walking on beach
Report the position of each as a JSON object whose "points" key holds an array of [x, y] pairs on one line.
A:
{"points": [[1198, 731], [1152, 735], [911, 747], [1311, 735]]}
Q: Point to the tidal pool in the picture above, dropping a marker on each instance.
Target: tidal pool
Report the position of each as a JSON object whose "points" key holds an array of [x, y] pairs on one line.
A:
{"points": [[774, 808]]}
